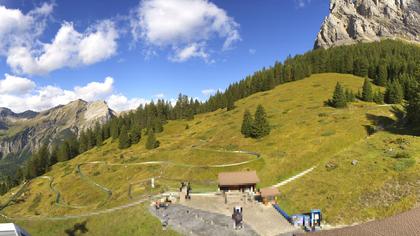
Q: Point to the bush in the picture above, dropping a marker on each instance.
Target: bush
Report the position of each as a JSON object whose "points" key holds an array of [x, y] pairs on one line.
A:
{"points": [[402, 155], [404, 164]]}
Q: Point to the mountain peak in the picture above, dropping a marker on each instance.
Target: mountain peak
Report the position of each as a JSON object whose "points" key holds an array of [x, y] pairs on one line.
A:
{"points": [[351, 21]]}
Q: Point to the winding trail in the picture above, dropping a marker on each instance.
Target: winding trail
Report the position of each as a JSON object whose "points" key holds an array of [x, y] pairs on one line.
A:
{"points": [[109, 192]]}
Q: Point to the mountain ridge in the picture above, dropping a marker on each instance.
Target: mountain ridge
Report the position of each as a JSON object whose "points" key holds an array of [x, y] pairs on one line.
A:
{"points": [[25, 132]]}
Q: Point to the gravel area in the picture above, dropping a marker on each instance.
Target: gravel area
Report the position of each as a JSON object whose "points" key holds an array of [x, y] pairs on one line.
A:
{"points": [[190, 221]]}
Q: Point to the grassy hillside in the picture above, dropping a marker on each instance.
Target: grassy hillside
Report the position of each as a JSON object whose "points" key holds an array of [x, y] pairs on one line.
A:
{"points": [[305, 133]]}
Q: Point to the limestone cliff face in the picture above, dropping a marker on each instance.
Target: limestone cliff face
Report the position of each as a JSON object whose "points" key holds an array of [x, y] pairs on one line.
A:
{"points": [[353, 21], [22, 133]]}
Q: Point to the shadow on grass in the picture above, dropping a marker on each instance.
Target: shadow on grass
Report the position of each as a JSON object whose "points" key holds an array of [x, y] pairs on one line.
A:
{"points": [[78, 227], [398, 126]]}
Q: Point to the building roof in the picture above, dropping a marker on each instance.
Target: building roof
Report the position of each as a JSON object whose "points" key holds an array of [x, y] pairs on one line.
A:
{"points": [[238, 178], [7, 227], [269, 192], [403, 224]]}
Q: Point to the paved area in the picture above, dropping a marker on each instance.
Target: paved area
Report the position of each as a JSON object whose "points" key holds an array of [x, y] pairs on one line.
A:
{"points": [[263, 219], [189, 221]]}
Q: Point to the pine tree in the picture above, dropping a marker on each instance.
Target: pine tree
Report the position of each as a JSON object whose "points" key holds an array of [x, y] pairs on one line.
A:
{"points": [[247, 122], [260, 127], [64, 152], [382, 75], [54, 156], [367, 94], [230, 103], [83, 139], [413, 109], [114, 129], [151, 142], [394, 93], [339, 99], [378, 97], [135, 134], [124, 141]]}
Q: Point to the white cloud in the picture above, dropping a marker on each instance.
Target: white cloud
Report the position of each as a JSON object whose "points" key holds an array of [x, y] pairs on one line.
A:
{"points": [[184, 26], [302, 3], [159, 96], [17, 28], [21, 94], [20, 42], [119, 102], [193, 50], [69, 48], [208, 92], [15, 85]]}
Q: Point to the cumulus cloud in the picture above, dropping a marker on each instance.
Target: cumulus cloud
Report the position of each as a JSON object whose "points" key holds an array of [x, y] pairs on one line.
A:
{"points": [[184, 26], [69, 48], [21, 94], [26, 54], [15, 85], [120, 102]]}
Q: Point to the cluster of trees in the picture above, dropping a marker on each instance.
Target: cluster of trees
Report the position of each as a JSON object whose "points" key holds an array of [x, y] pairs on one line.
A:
{"points": [[384, 62], [257, 126], [341, 97]]}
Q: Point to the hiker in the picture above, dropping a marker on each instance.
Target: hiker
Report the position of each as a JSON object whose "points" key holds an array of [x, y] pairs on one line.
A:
{"points": [[237, 218], [188, 196]]}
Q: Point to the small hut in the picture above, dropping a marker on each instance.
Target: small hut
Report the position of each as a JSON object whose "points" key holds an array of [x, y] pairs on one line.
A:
{"points": [[269, 194], [244, 181]]}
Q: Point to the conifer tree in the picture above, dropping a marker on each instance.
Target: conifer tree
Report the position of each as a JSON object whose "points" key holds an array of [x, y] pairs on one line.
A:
{"points": [[83, 139], [413, 109], [124, 141], [230, 103], [135, 134], [339, 99], [367, 94], [114, 129], [378, 97], [382, 75], [247, 122], [394, 93], [54, 156], [151, 142], [260, 127], [64, 152], [99, 135]]}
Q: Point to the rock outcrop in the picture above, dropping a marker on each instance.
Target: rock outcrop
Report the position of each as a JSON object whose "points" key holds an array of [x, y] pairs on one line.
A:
{"points": [[21, 133], [352, 21]]}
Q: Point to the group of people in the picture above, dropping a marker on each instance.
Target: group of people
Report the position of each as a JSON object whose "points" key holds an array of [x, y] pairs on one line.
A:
{"points": [[186, 185]]}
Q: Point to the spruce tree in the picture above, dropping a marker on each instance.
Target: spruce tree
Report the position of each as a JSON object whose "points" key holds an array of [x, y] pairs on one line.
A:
{"points": [[339, 99], [114, 129], [413, 109], [367, 94], [230, 103], [64, 152], [378, 97], [247, 122], [382, 75], [260, 127], [394, 93], [135, 134], [124, 141], [151, 142]]}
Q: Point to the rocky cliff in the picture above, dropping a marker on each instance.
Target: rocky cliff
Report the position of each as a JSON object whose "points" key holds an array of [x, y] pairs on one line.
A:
{"points": [[353, 21], [21, 133]]}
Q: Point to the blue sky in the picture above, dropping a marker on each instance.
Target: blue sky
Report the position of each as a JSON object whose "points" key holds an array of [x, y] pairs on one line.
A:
{"points": [[56, 51]]}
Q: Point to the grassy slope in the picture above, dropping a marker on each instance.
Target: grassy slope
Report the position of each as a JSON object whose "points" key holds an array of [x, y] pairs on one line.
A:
{"points": [[305, 133]]}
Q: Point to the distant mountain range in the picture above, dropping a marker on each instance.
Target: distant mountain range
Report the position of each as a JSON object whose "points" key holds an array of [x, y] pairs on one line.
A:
{"points": [[22, 133], [353, 21]]}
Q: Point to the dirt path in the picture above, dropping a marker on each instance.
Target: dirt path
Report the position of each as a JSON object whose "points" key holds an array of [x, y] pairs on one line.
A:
{"points": [[297, 176]]}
